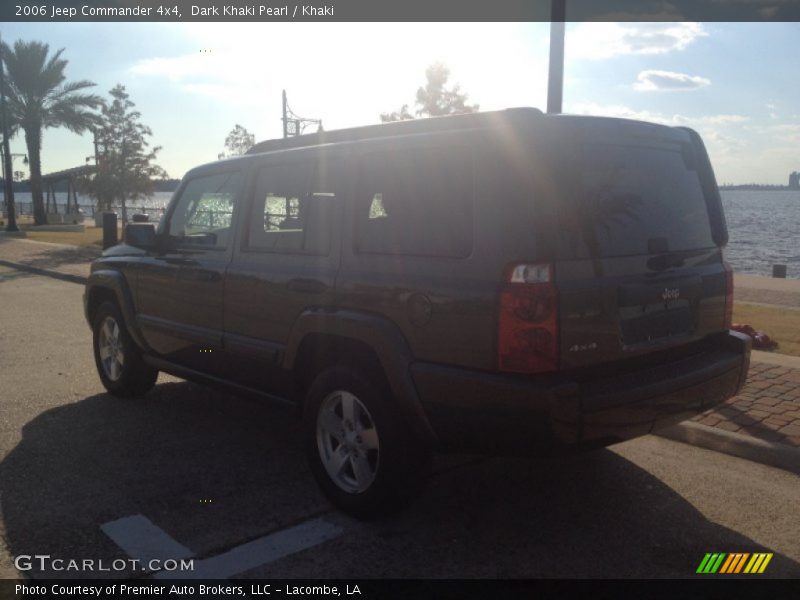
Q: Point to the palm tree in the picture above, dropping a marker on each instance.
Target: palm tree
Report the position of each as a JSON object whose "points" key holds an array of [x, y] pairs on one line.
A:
{"points": [[38, 98]]}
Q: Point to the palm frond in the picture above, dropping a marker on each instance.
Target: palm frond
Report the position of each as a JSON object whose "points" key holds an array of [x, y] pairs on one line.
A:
{"points": [[72, 87], [27, 69], [74, 117]]}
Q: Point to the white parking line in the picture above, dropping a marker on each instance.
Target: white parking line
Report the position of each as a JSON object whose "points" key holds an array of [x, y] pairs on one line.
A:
{"points": [[145, 541], [260, 552]]}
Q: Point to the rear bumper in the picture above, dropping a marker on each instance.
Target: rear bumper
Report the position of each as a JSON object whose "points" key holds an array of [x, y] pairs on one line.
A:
{"points": [[471, 410]]}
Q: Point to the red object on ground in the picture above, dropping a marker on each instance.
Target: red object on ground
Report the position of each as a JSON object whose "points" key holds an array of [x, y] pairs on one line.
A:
{"points": [[761, 341]]}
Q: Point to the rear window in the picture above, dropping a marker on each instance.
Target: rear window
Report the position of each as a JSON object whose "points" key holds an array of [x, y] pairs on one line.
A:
{"points": [[416, 203], [620, 200]]}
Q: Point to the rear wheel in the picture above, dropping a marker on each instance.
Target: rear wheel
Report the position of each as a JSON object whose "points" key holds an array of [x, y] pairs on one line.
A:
{"points": [[119, 361], [360, 450]]}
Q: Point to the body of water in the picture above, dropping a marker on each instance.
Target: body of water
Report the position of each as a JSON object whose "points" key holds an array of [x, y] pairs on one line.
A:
{"points": [[764, 227], [764, 230], [153, 205]]}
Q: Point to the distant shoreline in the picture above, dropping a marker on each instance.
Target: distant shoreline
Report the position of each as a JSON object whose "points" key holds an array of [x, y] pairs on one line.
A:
{"points": [[159, 185], [755, 187]]}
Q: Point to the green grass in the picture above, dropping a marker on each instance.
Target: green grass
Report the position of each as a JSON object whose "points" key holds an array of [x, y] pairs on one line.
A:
{"points": [[91, 236]]}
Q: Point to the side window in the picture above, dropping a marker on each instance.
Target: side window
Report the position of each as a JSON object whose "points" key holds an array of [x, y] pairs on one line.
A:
{"points": [[292, 210], [204, 210], [416, 202]]}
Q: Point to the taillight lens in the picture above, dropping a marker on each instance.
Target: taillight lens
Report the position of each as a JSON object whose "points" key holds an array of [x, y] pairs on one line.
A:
{"points": [[527, 338], [728, 295]]}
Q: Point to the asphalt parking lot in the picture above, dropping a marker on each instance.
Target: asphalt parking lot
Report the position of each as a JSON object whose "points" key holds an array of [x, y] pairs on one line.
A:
{"points": [[223, 480]]}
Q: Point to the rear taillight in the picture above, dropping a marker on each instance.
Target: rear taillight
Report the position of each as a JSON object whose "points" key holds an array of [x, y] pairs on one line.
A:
{"points": [[728, 295], [527, 332]]}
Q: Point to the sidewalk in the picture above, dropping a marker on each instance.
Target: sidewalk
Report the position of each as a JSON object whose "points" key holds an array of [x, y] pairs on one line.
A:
{"points": [[767, 290], [762, 423], [41, 257]]}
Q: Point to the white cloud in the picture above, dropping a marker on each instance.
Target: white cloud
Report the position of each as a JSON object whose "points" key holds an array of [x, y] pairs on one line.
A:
{"points": [[721, 143], [625, 112], [719, 119], [617, 110], [605, 40], [779, 133], [652, 80]]}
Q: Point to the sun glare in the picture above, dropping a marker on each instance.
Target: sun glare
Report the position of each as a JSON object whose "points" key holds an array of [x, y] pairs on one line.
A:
{"points": [[347, 75]]}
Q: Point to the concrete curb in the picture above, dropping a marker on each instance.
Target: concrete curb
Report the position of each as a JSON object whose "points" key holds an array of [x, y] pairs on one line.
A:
{"points": [[750, 448], [46, 272]]}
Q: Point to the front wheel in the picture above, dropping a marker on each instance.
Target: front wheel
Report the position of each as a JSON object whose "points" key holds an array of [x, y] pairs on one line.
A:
{"points": [[119, 361], [361, 452]]}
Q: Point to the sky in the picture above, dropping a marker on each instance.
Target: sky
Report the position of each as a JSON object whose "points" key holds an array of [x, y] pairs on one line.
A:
{"points": [[735, 83]]}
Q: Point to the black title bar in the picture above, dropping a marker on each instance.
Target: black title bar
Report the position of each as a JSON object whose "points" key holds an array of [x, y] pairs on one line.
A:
{"points": [[413, 589], [396, 10]]}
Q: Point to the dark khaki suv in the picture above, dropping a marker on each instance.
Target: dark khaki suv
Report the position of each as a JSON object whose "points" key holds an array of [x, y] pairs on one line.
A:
{"points": [[503, 282]]}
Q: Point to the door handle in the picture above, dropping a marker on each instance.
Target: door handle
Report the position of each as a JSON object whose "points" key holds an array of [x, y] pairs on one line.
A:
{"points": [[182, 262]]}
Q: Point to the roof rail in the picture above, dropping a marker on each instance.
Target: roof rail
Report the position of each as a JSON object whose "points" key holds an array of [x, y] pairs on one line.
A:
{"points": [[409, 127]]}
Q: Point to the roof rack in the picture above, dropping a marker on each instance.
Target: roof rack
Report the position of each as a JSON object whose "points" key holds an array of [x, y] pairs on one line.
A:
{"points": [[409, 127]]}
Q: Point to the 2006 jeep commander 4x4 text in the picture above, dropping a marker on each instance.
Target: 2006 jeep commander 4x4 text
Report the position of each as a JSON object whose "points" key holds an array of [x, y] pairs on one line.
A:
{"points": [[501, 281]]}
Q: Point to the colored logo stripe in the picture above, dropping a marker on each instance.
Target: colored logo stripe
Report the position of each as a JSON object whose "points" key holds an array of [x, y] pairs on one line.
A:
{"points": [[720, 562], [711, 562], [758, 563], [734, 563]]}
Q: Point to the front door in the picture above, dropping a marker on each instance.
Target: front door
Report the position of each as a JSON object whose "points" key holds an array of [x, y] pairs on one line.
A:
{"points": [[180, 291]]}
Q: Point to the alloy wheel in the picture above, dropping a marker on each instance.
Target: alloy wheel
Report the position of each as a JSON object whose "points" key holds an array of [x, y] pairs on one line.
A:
{"points": [[348, 443], [112, 356]]}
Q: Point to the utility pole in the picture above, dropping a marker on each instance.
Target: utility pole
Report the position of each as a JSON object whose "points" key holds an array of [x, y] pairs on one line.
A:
{"points": [[555, 85], [7, 168]]}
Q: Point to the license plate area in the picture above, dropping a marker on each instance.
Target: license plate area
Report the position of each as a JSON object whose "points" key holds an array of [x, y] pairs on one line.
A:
{"points": [[658, 310], [649, 323]]}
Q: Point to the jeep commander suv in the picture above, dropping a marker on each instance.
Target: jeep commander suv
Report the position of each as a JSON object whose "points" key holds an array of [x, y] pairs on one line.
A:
{"points": [[504, 281]]}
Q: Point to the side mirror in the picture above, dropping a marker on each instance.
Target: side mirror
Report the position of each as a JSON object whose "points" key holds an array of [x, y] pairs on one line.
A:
{"points": [[141, 235]]}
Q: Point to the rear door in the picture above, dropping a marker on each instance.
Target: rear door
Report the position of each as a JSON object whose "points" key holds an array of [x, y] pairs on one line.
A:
{"points": [[638, 268], [287, 262]]}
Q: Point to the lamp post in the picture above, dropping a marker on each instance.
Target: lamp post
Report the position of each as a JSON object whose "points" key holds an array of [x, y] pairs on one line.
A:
{"points": [[7, 169], [13, 156]]}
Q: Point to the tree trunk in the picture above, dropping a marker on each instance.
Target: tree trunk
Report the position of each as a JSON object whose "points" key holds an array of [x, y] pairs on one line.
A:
{"points": [[33, 139]]}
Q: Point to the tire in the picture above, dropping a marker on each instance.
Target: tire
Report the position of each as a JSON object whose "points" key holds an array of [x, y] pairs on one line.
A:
{"points": [[119, 361], [364, 458]]}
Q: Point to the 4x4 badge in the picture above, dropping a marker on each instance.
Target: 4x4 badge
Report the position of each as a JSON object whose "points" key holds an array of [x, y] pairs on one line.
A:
{"points": [[671, 294], [583, 347]]}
